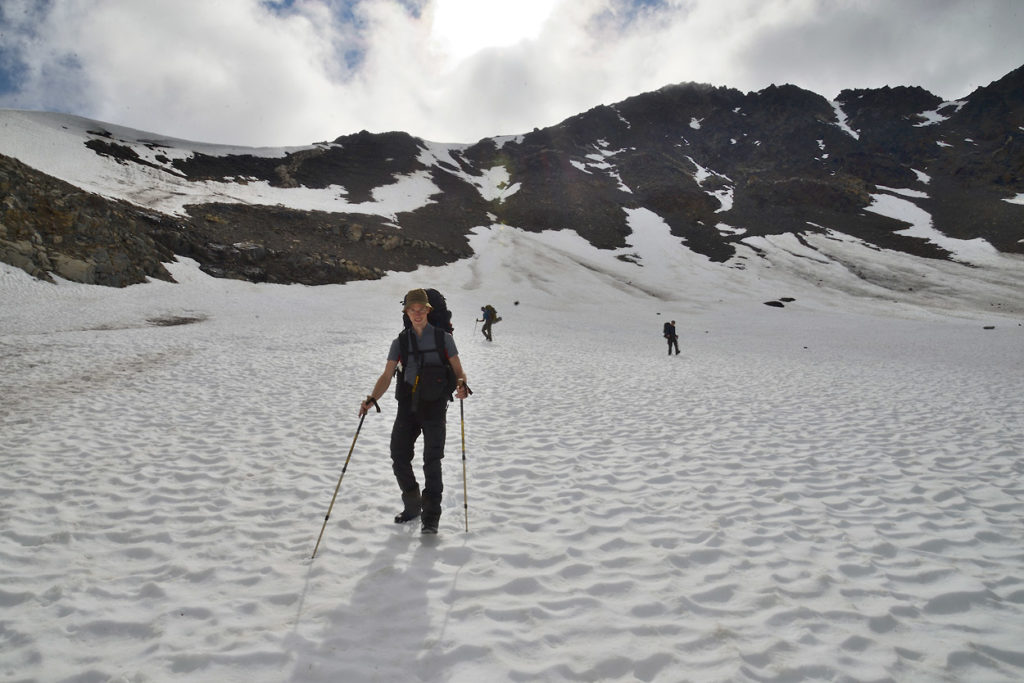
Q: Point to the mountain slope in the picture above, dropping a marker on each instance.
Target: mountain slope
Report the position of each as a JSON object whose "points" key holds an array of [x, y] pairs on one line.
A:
{"points": [[896, 169]]}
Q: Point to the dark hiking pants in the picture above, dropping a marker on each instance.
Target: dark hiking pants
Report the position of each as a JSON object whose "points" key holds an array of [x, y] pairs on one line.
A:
{"points": [[673, 341], [409, 424]]}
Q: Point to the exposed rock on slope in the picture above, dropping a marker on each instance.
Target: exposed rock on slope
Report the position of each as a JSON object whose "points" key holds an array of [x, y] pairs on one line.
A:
{"points": [[718, 166], [48, 226]]}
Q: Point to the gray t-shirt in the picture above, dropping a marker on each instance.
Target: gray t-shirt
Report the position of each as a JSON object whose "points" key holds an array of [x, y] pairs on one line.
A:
{"points": [[426, 345]]}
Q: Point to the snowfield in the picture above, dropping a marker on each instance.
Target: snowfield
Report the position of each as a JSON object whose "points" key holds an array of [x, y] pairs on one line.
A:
{"points": [[829, 491]]}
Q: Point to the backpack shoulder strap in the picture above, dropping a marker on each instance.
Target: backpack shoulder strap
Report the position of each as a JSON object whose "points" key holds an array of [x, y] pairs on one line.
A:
{"points": [[439, 345], [403, 346], [410, 336]]}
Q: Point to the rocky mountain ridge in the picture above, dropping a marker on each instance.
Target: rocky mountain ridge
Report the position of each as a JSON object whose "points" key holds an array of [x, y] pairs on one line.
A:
{"points": [[716, 165]]}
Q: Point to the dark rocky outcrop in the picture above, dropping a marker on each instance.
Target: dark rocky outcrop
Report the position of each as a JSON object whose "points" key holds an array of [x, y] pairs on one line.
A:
{"points": [[284, 245], [48, 226]]}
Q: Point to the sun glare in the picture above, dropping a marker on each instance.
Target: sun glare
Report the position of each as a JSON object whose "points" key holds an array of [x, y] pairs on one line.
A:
{"points": [[464, 27]]}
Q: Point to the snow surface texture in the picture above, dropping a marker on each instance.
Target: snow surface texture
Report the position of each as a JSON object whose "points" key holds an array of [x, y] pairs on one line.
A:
{"points": [[830, 491]]}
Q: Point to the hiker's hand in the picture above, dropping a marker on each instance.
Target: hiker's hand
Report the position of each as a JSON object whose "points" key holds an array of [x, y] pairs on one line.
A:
{"points": [[365, 406], [461, 390]]}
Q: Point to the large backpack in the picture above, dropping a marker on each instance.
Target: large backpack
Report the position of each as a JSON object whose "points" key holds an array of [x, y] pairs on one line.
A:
{"points": [[492, 314], [667, 330]]}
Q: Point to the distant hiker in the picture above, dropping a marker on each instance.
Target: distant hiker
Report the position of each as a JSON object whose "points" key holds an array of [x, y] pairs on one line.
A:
{"points": [[672, 337], [490, 317], [431, 370]]}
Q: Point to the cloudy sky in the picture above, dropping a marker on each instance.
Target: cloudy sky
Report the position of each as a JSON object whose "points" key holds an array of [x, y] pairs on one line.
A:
{"points": [[291, 72]]}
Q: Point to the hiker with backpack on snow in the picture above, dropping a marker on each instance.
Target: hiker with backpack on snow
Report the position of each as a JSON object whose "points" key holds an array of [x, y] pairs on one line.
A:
{"points": [[425, 355], [490, 317], [672, 337]]}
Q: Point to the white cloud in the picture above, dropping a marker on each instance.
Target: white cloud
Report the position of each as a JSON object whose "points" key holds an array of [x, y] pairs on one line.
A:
{"points": [[238, 71], [228, 70], [464, 27]]}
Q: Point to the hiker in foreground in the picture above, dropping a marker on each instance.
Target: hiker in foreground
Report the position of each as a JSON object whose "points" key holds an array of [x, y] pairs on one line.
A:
{"points": [[430, 370], [673, 338]]}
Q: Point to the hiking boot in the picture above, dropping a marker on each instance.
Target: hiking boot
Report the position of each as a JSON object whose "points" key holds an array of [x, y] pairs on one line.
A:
{"points": [[431, 515], [411, 500], [404, 516]]}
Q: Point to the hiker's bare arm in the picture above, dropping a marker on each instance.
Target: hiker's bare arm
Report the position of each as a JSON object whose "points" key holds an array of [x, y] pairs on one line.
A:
{"points": [[384, 381], [381, 386], [460, 375]]}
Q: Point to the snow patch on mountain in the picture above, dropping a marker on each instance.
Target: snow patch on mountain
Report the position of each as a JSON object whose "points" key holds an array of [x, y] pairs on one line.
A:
{"points": [[842, 122], [975, 251], [934, 116], [598, 161], [723, 195], [493, 183], [53, 142]]}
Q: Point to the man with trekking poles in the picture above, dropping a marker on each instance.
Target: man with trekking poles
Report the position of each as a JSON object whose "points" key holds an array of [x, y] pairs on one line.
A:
{"points": [[431, 371]]}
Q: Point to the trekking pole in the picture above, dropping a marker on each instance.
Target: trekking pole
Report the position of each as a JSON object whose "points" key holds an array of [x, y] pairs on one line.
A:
{"points": [[465, 496], [336, 488]]}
